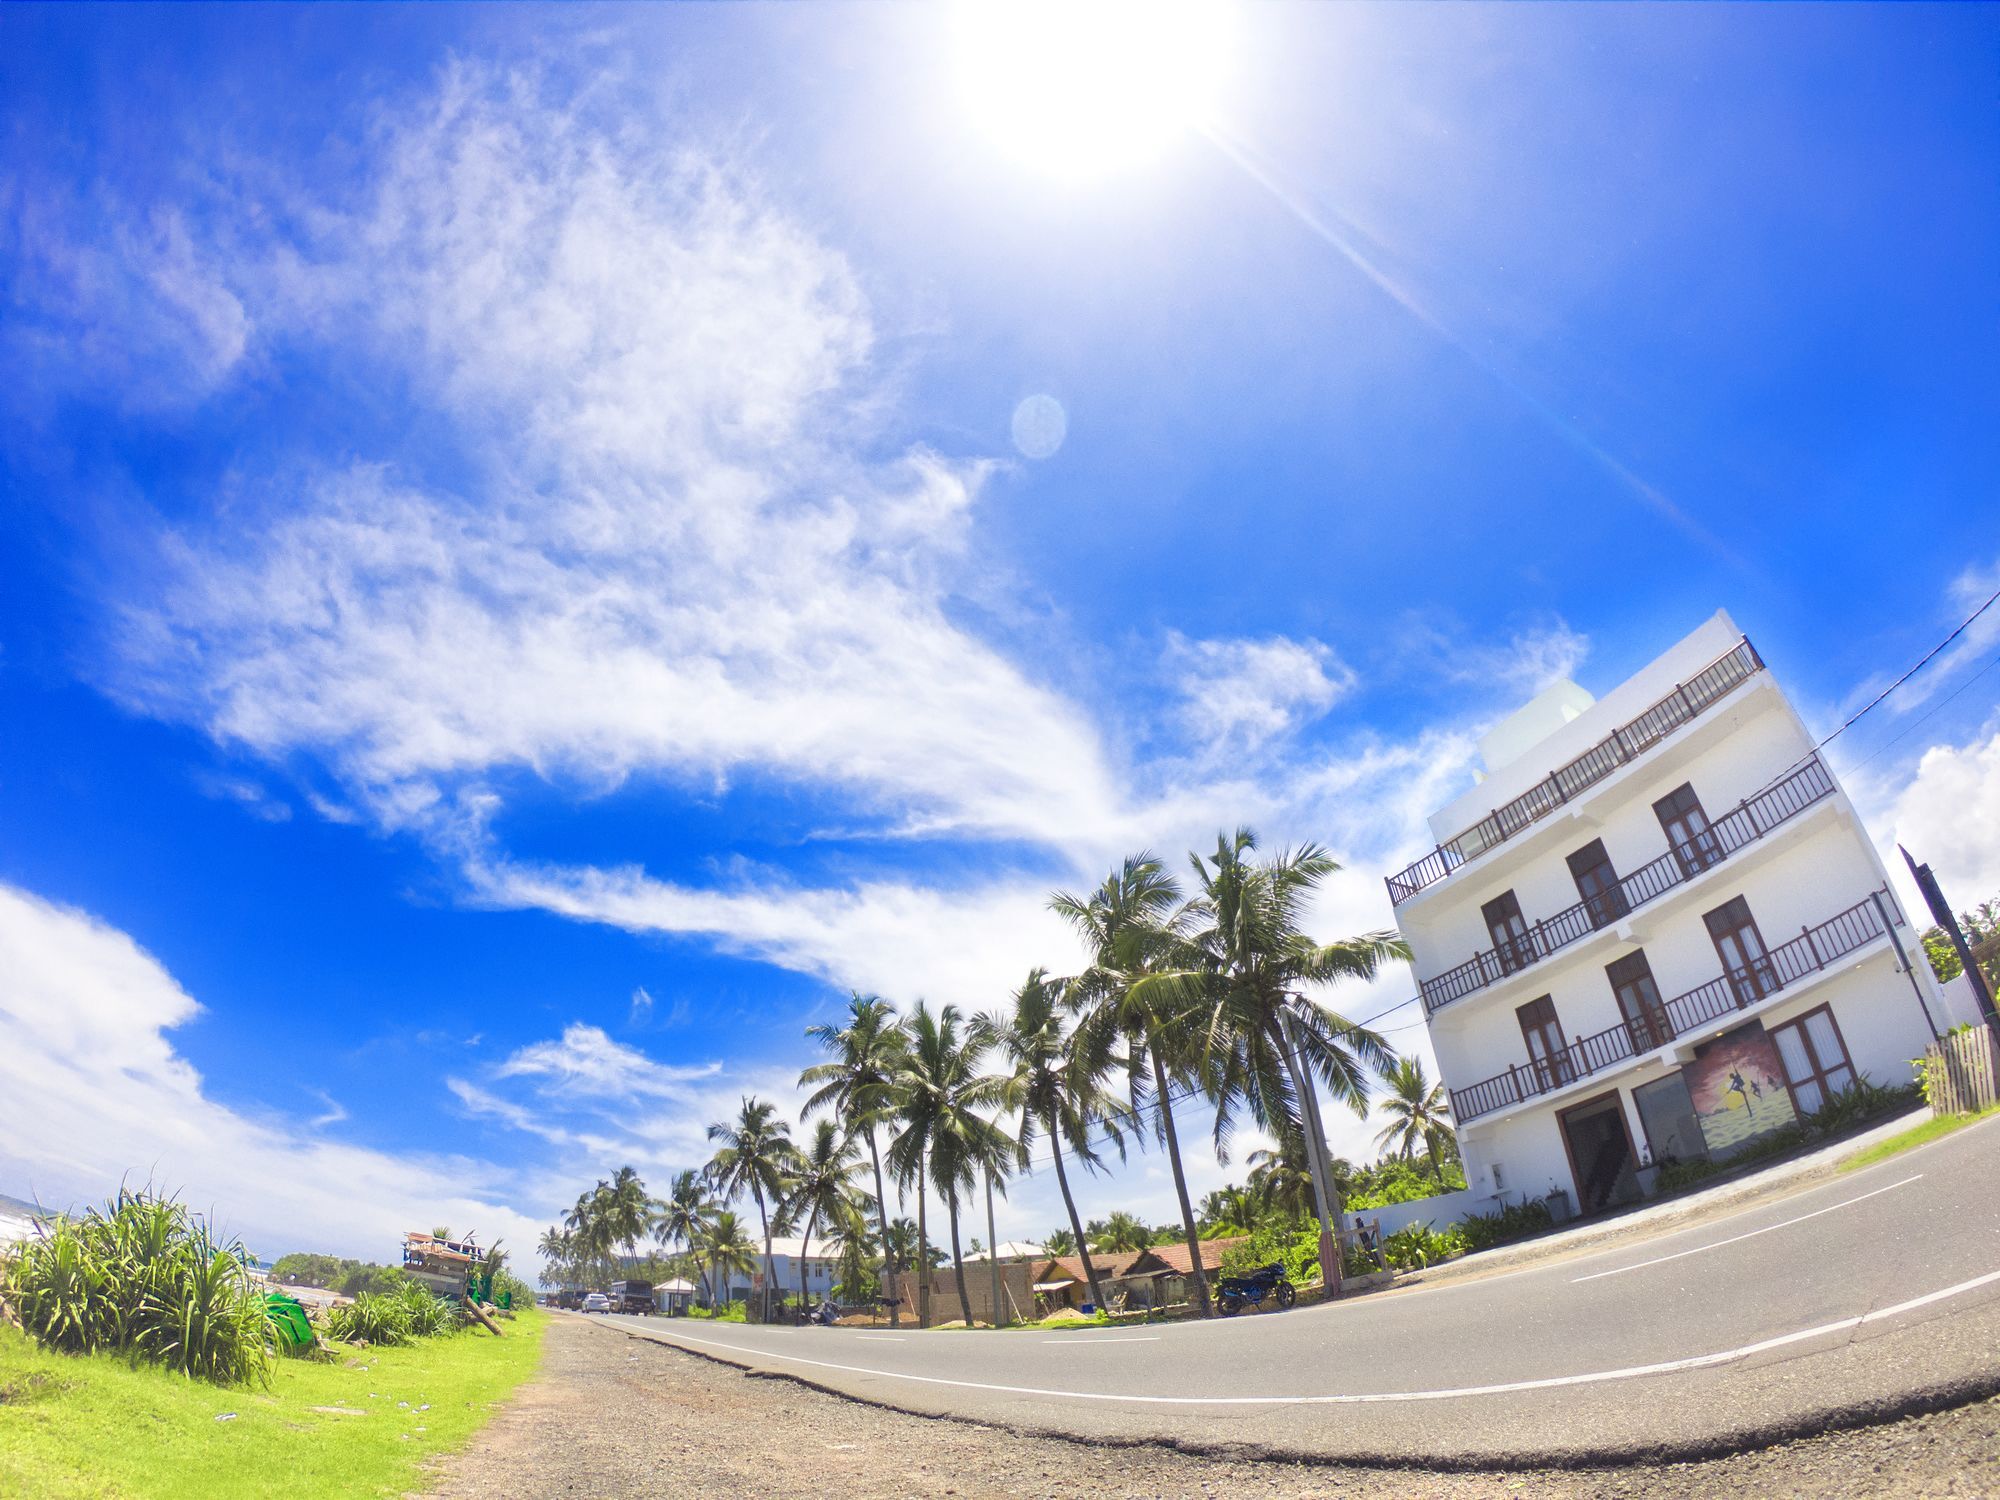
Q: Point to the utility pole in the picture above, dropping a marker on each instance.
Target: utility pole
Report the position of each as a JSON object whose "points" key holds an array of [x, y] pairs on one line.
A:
{"points": [[992, 1245], [1942, 914]]}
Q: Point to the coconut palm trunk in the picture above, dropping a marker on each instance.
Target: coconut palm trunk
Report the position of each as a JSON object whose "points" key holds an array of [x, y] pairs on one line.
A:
{"points": [[770, 1263], [805, 1250], [923, 1252], [1328, 1205], [891, 1290], [958, 1257], [1195, 1270], [1075, 1224]]}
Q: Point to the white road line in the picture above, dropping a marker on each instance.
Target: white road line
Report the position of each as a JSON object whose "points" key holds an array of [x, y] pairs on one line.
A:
{"points": [[882, 1338], [1105, 1338], [1593, 1377], [1660, 1260]]}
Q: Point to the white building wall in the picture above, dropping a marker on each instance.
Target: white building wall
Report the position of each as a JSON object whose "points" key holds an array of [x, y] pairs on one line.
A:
{"points": [[1819, 863]]}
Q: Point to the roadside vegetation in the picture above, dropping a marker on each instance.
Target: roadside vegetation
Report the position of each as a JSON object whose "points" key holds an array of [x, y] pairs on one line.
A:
{"points": [[1208, 993], [1917, 1135], [140, 1354], [361, 1423]]}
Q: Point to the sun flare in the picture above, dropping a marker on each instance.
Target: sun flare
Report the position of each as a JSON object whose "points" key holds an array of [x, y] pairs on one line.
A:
{"points": [[1084, 89]]}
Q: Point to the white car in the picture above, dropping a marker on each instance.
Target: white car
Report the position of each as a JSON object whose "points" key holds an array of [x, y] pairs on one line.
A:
{"points": [[597, 1302]]}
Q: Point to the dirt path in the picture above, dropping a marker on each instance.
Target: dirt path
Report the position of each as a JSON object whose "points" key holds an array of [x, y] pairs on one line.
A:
{"points": [[613, 1416]]}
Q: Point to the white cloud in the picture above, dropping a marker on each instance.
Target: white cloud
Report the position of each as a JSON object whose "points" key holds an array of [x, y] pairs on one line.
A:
{"points": [[1242, 694], [98, 1093], [587, 1062], [900, 940], [1949, 818], [670, 560]]}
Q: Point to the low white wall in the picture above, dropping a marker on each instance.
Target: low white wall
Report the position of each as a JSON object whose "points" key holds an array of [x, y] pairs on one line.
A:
{"points": [[1961, 1006], [1444, 1209]]}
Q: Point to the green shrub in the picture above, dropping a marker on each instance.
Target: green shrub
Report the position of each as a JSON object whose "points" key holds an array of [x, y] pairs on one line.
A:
{"points": [[1296, 1249], [1415, 1246], [729, 1312], [1675, 1175], [1512, 1222], [144, 1277], [371, 1318]]}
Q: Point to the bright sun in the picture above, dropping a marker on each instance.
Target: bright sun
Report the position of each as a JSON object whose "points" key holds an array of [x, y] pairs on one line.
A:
{"points": [[1089, 87]]}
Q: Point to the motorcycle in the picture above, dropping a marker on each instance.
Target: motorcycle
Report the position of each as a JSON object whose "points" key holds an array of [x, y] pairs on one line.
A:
{"points": [[1265, 1284]]}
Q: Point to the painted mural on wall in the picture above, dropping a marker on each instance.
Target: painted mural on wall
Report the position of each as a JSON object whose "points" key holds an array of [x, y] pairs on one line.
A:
{"points": [[1737, 1086]]}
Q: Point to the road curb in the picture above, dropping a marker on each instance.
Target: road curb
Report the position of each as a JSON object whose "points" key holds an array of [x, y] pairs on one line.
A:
{"points": [[1924, 1401]]}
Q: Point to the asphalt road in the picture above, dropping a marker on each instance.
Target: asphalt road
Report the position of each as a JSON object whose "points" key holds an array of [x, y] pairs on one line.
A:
{"points": [[1866, 1296]]}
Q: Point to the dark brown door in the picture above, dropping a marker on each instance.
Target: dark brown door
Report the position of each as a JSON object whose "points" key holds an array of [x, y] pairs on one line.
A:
{"points": [[1686, 825], [1597, 883], [1639, 1000], [1509, 930], [1548, 1053], [1745, 959]]}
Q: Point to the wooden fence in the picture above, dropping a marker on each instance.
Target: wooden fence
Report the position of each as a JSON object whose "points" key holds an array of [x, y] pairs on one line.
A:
{"points": [[1963, 1072]]}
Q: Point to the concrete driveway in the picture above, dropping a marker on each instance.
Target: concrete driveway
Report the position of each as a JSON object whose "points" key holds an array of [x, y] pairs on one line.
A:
{"points": [[1872, 1294]]}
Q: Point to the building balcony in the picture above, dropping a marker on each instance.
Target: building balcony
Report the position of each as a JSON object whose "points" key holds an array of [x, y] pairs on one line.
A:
{"points": [[1628, 742], [1730, 994], [1749, 821]]}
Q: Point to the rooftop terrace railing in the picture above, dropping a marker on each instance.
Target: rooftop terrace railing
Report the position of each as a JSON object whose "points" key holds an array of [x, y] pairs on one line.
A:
{"points": [[1731, 992], [1623, 744], [1749, 821]]}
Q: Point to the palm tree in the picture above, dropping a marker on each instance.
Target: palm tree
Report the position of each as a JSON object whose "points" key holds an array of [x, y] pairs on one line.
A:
{"points": [[589, 1226], [1119, 1234], [905, 1246], [627, 1211], [1419, 1113], [945, 1142], [860, 1085], [680, 1217], [1141, 984], [557, 1248], [1281, 1180], [858, 1248], [757, 1155], [1056, 1086], [1064, 1242], [1229, 1211], [728, 1250], [1267, 1039], [822, 1186]]}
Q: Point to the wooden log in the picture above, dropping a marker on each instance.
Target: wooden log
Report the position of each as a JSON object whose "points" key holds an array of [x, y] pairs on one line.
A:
{"points": [[480, 1313]]}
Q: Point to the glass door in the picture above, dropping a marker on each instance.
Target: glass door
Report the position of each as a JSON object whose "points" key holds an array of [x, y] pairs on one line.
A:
{"points": [[1598, 884], [1694, 845], [1745, 959], [1639, 1000], [1509, 930], [1548, 1053]]}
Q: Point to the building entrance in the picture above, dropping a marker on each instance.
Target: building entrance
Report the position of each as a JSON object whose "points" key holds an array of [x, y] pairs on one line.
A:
{"points": [[1600, 1153]]}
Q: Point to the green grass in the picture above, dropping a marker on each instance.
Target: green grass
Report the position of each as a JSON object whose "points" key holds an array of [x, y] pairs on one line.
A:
{"points": [[95, 1425], [1916, 1135]]}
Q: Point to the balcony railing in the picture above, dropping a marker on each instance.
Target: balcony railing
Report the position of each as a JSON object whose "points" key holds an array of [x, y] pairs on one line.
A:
{"points": [[1749, 821], [1625, 743], [1735, 990]]}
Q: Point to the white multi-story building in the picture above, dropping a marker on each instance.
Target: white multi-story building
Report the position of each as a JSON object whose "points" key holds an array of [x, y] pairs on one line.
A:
{"points": [[1655, 931]]}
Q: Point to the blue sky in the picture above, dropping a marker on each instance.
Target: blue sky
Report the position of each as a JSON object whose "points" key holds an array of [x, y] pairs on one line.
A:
{"points": [[518, 586]]}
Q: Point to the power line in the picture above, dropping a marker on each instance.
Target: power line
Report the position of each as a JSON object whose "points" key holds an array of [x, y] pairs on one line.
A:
{"points": [[1963, 626]]}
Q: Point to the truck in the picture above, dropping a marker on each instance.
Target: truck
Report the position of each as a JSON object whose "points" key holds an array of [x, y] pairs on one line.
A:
{"points": [[632, 1297]]}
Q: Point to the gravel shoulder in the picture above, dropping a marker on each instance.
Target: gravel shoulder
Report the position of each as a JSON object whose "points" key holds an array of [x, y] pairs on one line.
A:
{"points": [[615, 1416]]}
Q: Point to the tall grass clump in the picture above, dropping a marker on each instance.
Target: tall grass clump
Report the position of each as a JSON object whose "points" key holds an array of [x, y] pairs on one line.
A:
{"points": [[144, 1277], [391, 1318]]}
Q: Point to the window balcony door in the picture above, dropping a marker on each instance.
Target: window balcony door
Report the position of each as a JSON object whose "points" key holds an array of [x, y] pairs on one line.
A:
{"points": [[1745, 959], [1694, 845], [1639, 1001], [1509, 931], [1548, 1053], [1597, 883]]}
